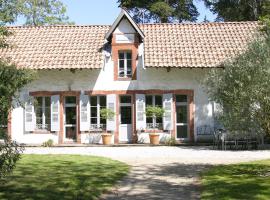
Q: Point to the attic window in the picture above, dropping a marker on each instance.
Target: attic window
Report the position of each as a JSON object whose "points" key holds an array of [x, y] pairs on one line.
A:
{"points": [[124, 64]]}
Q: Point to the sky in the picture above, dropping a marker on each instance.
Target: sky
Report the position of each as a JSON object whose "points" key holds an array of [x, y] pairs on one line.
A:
{"points": [[104, 12]]}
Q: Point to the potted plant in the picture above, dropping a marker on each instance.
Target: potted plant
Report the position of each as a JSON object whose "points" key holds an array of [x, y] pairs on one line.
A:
{"points": [[155, 112], [106, 113]]}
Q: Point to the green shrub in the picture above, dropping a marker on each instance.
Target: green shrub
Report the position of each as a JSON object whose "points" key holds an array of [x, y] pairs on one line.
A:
{"points": [[170, 141], [48, 143], [10, 153]]}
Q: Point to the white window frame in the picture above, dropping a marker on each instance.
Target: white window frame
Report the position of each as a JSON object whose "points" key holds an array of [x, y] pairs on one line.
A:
{"points": [[183, 124], [126, 75], [43, 107], [154, 120], [97, 125]]}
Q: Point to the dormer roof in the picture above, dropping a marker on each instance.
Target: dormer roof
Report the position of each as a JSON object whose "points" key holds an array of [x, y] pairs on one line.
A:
{"points": [[123, 14]]}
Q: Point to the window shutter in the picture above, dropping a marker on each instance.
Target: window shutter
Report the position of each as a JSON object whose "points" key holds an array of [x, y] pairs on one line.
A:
{"points": [[111, 104], [84, 113], [55, 113], [140, 112], [30, 119], [167, 106]]}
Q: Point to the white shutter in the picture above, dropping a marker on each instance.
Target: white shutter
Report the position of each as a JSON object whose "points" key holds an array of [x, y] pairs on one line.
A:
{"points": [[111, 104], [140, 112], [84, 113], [55, 113], [167, 106], [29, 111]]}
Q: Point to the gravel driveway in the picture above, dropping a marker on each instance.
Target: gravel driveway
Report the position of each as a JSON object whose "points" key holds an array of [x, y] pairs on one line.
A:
{"points": [[160, 172]]}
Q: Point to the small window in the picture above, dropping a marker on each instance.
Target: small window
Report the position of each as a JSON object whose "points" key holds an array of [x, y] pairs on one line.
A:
{"points": [[43, 113], [96, 104], [124, 64], [154, 122], [181, 98], [125, 99]]}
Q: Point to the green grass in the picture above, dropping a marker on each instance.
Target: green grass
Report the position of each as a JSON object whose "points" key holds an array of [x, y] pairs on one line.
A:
{"points": [[240, 181], [61, 177]]}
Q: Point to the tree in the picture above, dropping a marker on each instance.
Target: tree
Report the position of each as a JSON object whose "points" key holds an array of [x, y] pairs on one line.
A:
{"points": [[12, 80], [161, 10], [240, 10], [35, 12], [242, 89], [43, 12]]}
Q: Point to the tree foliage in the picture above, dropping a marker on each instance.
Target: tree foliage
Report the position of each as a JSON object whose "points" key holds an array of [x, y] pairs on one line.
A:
{"points": [[144, 11], [12, 80], [43, 12], [35, 12], [240, 10], [242, 89]]}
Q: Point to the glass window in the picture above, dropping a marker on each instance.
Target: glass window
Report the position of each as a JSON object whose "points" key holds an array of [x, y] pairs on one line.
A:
{"points": [[96, 104], [43, 112], [125, 64], [181, 98], [154, 122], [70, 100], [125, 99], [126, 115]]}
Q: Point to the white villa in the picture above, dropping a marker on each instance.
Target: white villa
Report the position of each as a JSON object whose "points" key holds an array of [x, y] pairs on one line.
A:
{"points": [[124, 67]]}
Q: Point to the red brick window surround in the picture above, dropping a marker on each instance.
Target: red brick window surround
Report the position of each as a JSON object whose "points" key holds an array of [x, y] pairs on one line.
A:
{"points": [[124, 55]]}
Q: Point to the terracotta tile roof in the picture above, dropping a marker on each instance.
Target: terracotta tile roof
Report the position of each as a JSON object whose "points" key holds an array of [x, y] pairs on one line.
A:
{"points": [[166, 45], [195, 45], [57, 47]]}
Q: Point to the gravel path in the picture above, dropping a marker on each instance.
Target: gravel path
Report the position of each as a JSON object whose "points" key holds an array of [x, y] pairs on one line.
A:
{"points": [[160, 172]]}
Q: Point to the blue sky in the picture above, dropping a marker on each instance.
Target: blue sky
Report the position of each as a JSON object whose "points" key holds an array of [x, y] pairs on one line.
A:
{"points": [[87, 12]]}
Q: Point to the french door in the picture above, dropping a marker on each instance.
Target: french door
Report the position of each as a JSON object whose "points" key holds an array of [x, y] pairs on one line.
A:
{"points": [[70, 119], [125, 125], [182, 122]]}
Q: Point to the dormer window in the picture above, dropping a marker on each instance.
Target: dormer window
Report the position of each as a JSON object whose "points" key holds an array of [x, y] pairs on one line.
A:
{"points": [[124, 64]]}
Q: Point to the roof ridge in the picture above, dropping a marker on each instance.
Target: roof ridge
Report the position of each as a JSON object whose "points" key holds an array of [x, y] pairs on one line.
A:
{"points": [[54, 26], [201, 23]]}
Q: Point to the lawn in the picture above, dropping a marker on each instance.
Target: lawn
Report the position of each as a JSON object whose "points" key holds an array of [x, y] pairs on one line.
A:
{"points": [[61, 177], [240, 181]]}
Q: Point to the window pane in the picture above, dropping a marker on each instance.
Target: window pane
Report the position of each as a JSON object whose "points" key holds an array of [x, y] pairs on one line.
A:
{"points": [[102, 101], [47, 101], [93, 111], [38, 110], [182, 131], [181, 98], [129, 55], [121, 64], [181, 114], [149, 119], [125, 99], [102, 121], [93, 120], [126, 115], [70, 115], [121, 55], [149, 100], [71, 100], [93, 101], [158, 100], [129, 64], [159, 120]]}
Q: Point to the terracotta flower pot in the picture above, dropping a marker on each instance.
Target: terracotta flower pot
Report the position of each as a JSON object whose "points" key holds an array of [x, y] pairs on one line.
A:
{"points": [[154, 138], [106, 138]]}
